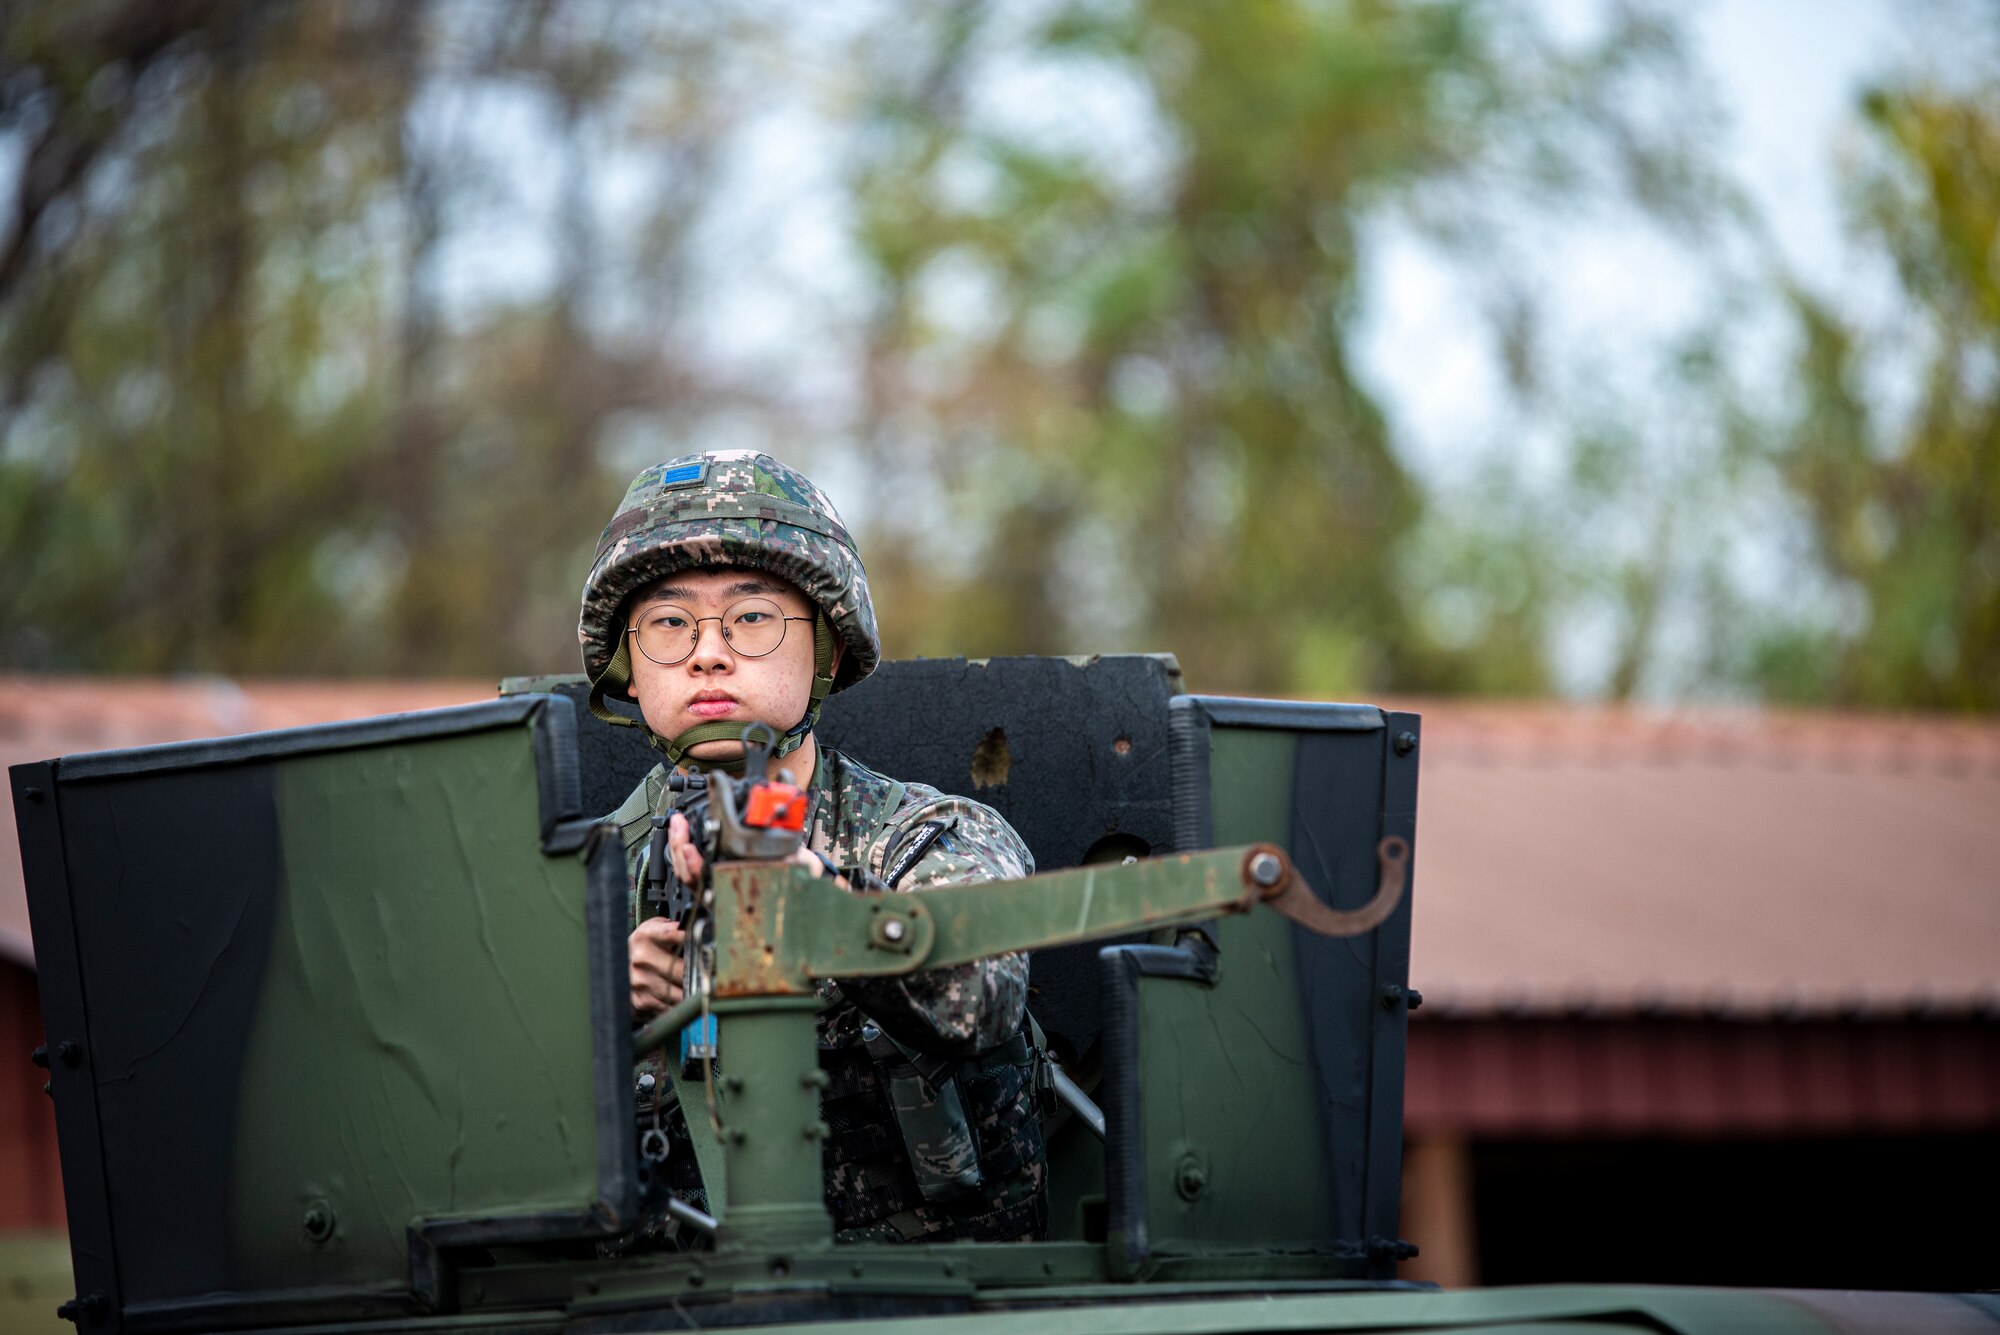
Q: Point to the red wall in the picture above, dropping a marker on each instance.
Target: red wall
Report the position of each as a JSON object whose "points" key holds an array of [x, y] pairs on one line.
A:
{"points": [[1685, 1076], [30, 1176]]}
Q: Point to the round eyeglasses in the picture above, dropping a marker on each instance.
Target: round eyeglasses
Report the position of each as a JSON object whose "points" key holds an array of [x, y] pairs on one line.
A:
{"points": [[668, 634]]}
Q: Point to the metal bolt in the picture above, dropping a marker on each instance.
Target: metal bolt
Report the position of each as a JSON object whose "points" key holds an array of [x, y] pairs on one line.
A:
{"points": [[40, 1056], [32, 793], [1395, 994], [893, 929], [318, 1222], [69, 1052], [1265, 869], [91, 1306], [646, 1082], [1189, 1179], [1406, 742]]}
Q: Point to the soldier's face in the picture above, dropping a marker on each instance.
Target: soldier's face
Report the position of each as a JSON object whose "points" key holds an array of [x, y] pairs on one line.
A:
{"points": [[715, 682]]}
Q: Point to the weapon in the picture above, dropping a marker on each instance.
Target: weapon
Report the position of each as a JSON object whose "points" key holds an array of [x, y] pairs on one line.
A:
{"points": [[754, 819], [757, 819]]}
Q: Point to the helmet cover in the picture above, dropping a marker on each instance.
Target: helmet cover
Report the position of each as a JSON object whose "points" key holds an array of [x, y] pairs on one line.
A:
{"points": [[729, 508]]}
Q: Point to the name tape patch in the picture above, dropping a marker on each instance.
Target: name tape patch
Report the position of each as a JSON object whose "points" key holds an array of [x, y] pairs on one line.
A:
{"points": [[684, 475]]}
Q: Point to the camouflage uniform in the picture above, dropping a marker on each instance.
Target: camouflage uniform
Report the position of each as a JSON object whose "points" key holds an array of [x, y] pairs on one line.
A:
{"points": [[913, 837], [740, 508]]}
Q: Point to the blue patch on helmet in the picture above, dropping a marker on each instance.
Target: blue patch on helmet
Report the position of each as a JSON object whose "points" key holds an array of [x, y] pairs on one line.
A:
{"points": [[685, 475]]}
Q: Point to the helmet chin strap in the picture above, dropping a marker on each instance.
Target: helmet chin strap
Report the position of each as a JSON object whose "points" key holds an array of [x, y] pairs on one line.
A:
{"points": [[617, 675]]}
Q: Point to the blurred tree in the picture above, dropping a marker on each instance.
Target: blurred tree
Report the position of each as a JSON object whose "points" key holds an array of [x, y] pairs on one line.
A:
{"points": [[1894, 450], [329, 331], [248, 426], [1136, 380]]}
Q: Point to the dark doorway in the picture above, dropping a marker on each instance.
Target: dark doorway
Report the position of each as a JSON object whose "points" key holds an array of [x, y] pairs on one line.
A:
{"points": [[1914, 1213]]}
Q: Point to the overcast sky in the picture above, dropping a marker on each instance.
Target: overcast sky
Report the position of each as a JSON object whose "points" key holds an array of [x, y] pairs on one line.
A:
{"points": [[1786, 75]]}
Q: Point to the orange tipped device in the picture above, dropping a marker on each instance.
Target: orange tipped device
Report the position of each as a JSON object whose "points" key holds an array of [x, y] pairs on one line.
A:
{"points": [[776, 806]]}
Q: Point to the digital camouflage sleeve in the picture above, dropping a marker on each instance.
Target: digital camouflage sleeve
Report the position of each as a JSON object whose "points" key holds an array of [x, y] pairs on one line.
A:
{"points": [[913, 837]]}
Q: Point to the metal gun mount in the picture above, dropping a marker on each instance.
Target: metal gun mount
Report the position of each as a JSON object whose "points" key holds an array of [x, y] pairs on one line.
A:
{"points": [[779, 929]]}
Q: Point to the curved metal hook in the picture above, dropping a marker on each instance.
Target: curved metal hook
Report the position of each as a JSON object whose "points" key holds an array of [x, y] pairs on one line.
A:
{"points": [[1282, 887]]}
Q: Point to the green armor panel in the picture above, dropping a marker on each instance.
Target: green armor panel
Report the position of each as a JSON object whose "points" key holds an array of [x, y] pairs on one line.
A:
{"points": [[343, 999]]}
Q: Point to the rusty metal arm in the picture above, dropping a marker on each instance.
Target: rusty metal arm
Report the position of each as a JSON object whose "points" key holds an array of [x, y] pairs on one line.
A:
{"points": [[778, 928]]}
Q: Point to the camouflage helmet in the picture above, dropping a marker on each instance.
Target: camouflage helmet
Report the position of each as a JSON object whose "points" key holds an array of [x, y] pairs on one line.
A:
{"points": [[728, 508]]}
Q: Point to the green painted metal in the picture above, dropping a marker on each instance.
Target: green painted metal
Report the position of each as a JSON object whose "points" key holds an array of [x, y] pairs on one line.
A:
{"points": [[703, 1134], [1547, 1311], [539, 683], [1220, 1308], [663, 1028], [1060, 1289], [422, 939], [1233, 1155], [779, 927], [771, 1131], [422, 1048], [1076, 1179]]}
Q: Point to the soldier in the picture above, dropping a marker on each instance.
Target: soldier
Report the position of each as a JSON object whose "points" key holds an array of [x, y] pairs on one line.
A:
{"points": [[725, 592]]}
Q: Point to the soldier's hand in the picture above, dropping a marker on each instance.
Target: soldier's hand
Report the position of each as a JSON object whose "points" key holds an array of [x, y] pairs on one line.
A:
{"points": [[657, 965], [806, 858], [681, 852]]}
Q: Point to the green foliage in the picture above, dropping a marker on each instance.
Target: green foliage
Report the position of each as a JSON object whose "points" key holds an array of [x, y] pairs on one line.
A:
{"points": [[1904, 505], [1161, 384], [241, 433], [255, 417]]}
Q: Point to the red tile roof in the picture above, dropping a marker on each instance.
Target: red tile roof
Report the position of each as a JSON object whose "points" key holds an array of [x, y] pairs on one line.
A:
{"points": [[1730, 862], [1568, 858]]}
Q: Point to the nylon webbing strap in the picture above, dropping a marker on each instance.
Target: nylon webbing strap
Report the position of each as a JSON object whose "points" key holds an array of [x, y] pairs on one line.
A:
{"points": [[617, 673], [720, 730]]}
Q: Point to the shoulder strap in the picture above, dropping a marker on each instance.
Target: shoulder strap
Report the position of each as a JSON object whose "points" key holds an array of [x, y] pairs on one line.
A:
{"points": [[634, 815]]}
